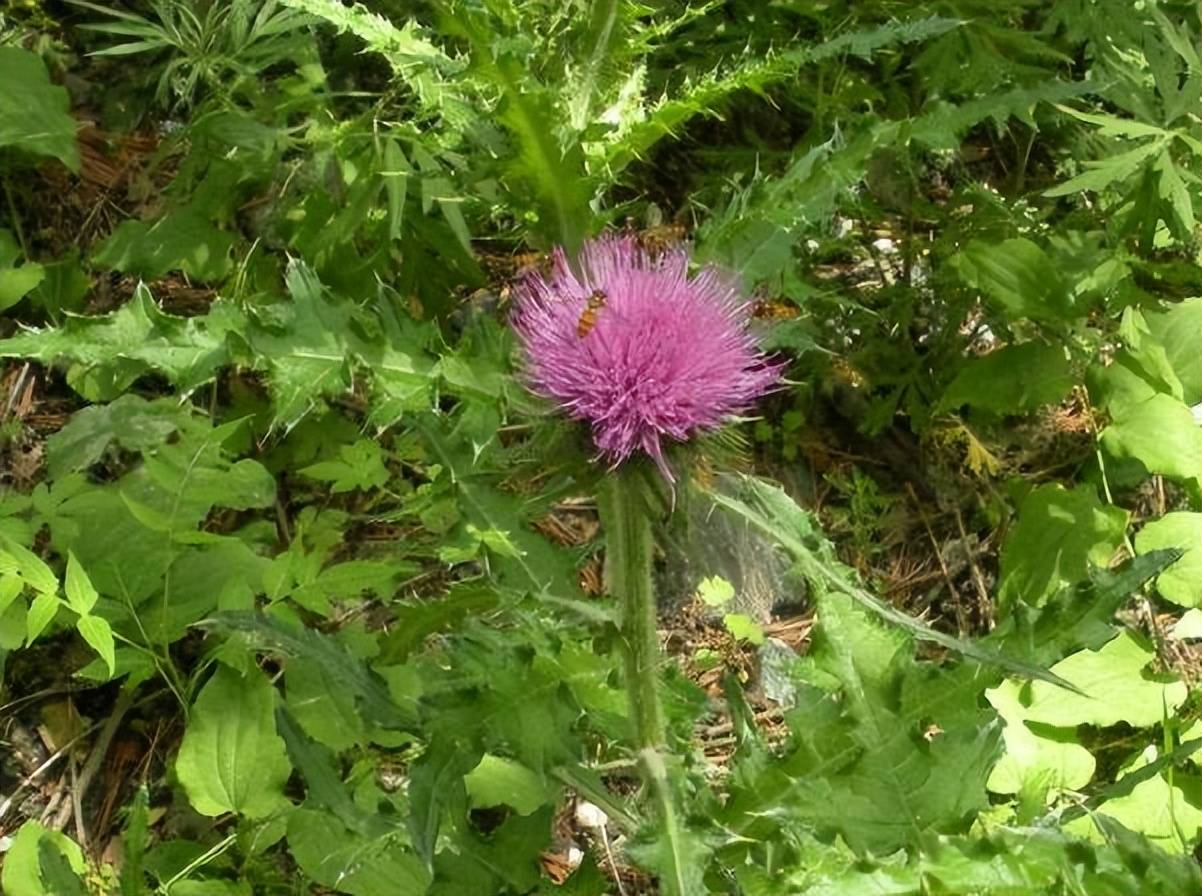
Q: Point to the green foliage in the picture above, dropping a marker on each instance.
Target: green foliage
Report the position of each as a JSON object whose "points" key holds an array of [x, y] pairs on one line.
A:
{"points": [[272, 481], [859, 766], [231, 759], [34, 116], [215, 47]]}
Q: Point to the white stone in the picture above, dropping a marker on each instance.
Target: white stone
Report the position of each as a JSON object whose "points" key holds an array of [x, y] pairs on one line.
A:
{"points": [[590, 817]]}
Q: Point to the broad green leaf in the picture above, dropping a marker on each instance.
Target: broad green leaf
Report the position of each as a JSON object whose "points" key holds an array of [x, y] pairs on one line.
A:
{"points": [[1017, 378], [29, 566], [11, 585], [1166, 813], [122, 556], [1050, 760], [1160, 433], [16, 282], [1148, 352], [231, 759], [131, 422], [21, 874], [335, 857], [42, 611], [1019, 276], [344, 669], [1115, 687], [1189, 627], [57, 874], [1182, 582], [97, 632], [498, 781], [181, 240], [34, 114], [211, 887], [78, 587], [324, 710], [1059, 534], [13, 626], [1177, 331]]}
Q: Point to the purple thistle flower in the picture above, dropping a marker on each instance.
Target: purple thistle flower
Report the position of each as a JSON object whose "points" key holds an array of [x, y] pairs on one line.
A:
{"points": [[639, 349]]}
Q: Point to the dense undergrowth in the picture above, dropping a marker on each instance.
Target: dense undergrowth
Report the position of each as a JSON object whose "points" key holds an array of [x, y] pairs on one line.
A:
{"points": [[300, 589]]}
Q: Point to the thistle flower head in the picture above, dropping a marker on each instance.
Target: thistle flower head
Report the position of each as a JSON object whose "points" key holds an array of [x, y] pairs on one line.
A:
{"points": [[639, 349]]}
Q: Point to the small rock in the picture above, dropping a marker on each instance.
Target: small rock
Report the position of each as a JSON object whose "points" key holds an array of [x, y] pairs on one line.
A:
{"points": [[590, 817]]}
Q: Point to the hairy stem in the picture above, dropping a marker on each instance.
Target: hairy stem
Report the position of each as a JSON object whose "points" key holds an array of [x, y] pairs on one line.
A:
{"points": [[624, 514], [623, 502]]}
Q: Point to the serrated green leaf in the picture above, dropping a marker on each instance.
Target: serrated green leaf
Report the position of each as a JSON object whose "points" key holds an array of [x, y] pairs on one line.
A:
{"points": [[858, 764], [715, 591], [1101, 174], [743, 628], [108, 353], [767, 508], [360, 466], [231, 759]]}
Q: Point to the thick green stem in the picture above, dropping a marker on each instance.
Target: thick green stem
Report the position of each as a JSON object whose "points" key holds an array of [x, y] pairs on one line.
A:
{"points": [[624, 505], [624, 514]]}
